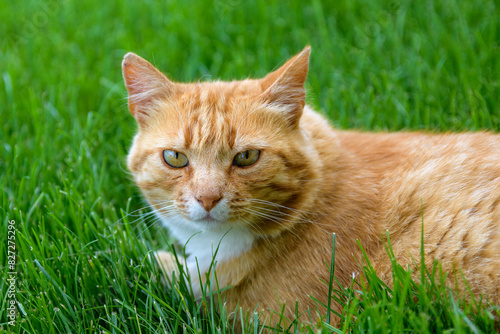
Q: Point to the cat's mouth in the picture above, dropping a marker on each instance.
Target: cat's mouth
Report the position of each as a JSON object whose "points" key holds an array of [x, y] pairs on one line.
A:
{"points": [[208, 218]]}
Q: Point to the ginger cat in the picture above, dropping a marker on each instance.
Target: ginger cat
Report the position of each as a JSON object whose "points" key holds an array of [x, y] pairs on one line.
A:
{"points": [[248, 165]]}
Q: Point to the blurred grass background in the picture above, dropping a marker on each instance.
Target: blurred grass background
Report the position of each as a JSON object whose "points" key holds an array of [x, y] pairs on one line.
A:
{"points": [[65, 130]]}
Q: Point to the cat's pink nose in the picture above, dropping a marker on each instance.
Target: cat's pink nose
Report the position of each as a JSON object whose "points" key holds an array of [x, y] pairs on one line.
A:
{"points": [[208, 201]]}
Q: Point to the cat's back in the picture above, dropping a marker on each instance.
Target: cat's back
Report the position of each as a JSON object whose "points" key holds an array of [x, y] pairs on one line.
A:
{"points": [[437, 176], [450, 182]]}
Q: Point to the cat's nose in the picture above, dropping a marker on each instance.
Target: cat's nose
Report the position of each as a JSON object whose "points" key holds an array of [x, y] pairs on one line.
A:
{"points": [[208, 201]]}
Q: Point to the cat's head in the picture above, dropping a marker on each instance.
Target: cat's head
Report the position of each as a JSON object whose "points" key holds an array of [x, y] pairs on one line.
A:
{"points": [[213, 155]]}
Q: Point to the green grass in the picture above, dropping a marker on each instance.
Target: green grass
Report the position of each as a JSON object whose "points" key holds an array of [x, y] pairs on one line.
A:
{"points": [[65, 131]]}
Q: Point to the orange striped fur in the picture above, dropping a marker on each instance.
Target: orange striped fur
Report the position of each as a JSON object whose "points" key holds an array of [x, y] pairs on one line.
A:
{"points": [[310, 181]]}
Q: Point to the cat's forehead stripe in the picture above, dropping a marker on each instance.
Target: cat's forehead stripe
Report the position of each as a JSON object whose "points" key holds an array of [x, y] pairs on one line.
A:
{"points": [[207, 126], [209, 114]]}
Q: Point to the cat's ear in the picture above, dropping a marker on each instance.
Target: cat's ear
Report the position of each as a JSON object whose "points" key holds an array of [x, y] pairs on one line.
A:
{"points": [[284, 87], [145, 85]]}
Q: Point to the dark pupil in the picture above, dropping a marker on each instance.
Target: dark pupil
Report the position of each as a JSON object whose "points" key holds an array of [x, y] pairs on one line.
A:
{"points": [[176, 155], [246, 154]]}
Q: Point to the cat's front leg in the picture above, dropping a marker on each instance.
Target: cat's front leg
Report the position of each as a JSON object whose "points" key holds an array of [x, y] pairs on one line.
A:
{"points": [[169, 266], [168, 263]]}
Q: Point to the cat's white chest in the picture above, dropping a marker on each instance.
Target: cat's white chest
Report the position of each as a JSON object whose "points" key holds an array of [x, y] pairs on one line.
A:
{"points": [[203, 245]]}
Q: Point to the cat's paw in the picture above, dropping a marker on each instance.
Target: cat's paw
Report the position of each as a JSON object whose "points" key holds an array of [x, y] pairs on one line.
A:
{"points": [[174, 268], [167, 263]]}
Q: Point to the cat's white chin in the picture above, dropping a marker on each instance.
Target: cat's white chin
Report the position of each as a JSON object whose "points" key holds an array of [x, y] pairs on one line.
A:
{"points": [[209, 239], [208, 219]]}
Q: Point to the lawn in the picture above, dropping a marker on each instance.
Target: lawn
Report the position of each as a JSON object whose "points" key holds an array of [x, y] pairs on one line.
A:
{"points": [[82, 230]]}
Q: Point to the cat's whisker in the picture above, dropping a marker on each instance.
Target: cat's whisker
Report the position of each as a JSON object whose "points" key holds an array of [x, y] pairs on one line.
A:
{"points": [[276, 211], [259, 230], [156, 221], [165, 209], [143, 219], [145, 208], [269, 215], [130, 214], [296, 221], [254, 226], [129, 174], [155, 216], [164, 202], [300, 220], [148, 215], [170, 202], [261, 201], [271, 218]]}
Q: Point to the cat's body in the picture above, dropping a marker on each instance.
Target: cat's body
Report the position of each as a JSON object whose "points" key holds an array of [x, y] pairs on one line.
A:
{"points": [[276, 216]]}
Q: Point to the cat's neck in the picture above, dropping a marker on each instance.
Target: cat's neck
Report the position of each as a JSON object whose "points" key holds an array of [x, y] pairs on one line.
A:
{"points": [[349, 198]]}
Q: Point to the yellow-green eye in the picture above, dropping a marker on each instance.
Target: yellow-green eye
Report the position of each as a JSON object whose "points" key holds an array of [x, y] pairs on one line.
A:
{"points": [[246, 158], [175, 159]]}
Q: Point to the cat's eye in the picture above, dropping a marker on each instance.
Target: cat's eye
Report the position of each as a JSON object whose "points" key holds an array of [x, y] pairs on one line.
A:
{"points": [[246, 158], [175, 159]]}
